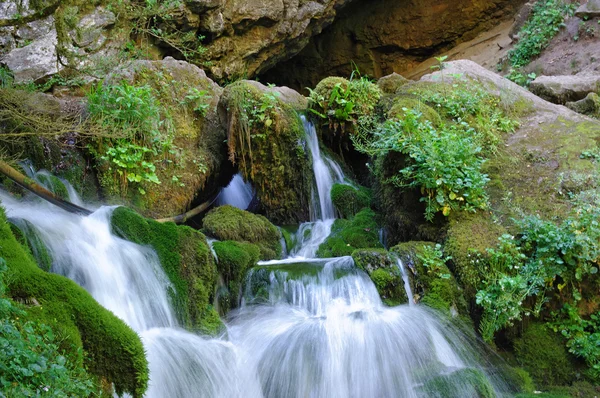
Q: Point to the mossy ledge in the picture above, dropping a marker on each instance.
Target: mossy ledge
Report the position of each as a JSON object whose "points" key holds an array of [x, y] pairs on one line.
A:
{"points": [[361, 232], [384, 272], [114, 351], [230, 223], [186, 259]]}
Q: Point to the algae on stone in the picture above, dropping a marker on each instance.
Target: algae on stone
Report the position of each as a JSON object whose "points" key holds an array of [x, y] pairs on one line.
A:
{"points": [[384, 272]]}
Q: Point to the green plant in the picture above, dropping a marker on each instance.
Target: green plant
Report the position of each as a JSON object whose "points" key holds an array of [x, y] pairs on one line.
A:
{"points": [[522, 80], [445, 163], [433, 259], [198, 98], [546, 20]]}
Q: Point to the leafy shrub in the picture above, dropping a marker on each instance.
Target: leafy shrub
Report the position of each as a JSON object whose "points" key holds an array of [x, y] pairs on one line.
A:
{"points": [[445, 164], [546, 20]]}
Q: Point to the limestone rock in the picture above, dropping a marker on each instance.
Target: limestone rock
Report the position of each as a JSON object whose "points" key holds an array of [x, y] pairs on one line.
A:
{"points": [[591, 9], [34, 61], [285, 94], [590, 105], [562, 89]]}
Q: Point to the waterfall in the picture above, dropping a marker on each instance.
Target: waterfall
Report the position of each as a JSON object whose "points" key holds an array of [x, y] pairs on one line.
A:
{"points": [[406, 281], [238, 193], [128, 279]]}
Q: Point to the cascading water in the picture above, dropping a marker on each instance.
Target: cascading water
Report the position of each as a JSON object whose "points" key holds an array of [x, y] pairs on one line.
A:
{"points": [[238, 193], [307, 327]]}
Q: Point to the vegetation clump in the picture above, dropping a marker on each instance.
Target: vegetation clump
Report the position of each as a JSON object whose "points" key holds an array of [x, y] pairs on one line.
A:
{"points": [[187, 261], [384, 272], [112, 350], [349, 200], [460, 383], [265, 139], [360, 232], [230, 223]]}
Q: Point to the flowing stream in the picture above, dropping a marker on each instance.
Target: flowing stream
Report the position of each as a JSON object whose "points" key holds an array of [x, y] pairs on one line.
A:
{"points": [[319, 328]]}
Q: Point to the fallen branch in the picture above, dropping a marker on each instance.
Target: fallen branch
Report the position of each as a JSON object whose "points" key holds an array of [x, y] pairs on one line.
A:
{"points": [[40, 191], [180, 219]]}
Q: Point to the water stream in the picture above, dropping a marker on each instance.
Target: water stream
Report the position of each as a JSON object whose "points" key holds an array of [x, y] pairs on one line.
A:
{"points": [[319, 333]]}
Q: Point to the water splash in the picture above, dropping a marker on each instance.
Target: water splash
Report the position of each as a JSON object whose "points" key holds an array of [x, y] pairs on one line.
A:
{"points": [[238, 193]]}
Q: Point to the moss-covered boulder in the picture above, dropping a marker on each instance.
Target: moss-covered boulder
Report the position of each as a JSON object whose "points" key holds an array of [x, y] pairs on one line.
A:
{"points": [[402, 104], [543, 354], [349, 200], [265, 138], [113, 351], [27, 236], [361, 232], [186, 259], [230, 223], [467, 382], [384, 272], [391, 83], [235, 259], [433, 283], [159, 159]]}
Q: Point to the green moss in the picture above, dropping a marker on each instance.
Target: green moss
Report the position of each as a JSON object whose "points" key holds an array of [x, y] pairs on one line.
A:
{"points": [[349, 200], [461, 383], [231, 223], [410, 103], [391, 83], [436, 288], [289, 236], [27, 236], [114, 351], [519, 378], [467, 236], [383, 271], [543, 354], [184, 255], [54, 184], [360, 232], [265, 138], [235, 259]]}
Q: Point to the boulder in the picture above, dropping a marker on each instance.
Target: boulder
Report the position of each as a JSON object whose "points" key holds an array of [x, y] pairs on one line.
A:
{"points": [[589, 10], [563, 89], [590, 105]]}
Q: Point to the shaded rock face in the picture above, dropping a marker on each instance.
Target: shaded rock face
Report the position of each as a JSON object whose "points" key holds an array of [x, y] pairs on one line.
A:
{"points": [[384, 36], [562, 89]]}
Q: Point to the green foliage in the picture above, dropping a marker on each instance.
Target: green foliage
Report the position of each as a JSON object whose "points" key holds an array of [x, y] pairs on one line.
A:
{"points": [[131, 117], [360, 232], [465, 382], [230, 223], [185, 258], [32, 363], [544, 356], [546, 20], [521, 79], [583, 338], [235, 259], [445, 163], [113, 351], [349, 200]]}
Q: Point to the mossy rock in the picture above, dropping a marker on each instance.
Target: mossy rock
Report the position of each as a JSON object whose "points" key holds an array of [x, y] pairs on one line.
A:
{"points": [[235, 259], [391, 83], [230, 223], [349, 200], [466, 382], [437, 289], [266, 140], [414, 104], [469, 235], [53, 184], [543, 354], [519, 378], [27, 236], [384, 272], [187, 261], [289, 236], [360, 232], [113, 351]]}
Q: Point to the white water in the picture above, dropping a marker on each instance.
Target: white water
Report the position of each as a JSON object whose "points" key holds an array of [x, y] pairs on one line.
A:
{"points": [[238, 193], [406, 281]]}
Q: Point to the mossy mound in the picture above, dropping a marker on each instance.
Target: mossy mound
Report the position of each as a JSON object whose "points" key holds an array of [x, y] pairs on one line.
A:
{"points": [[391, 83], [468, 237], [543, 354], [231, 223], [349, 200], [435, 287], [184, 149], [289, 237], [113, 350], [27, 236], [265, 138], [187, 260], [466, 382], [53, 184], [384, 272], [361, 232], [235, 259], [404, 103]]}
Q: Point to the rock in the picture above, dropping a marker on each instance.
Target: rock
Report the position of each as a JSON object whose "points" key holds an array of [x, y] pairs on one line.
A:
{"points": [[390, 83], [35, 61], [383, 270], [563, 89], [285, 94], [590, 105], [589, 10]]}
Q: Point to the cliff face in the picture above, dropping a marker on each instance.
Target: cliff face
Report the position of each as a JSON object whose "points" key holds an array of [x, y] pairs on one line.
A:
{"points": [[247, 38], [384, 36]]}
